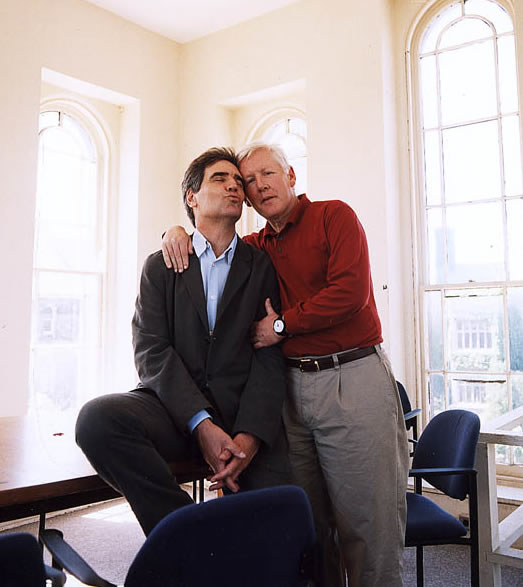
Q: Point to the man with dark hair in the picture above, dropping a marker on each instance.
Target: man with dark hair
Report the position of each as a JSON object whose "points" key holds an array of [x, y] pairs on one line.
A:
{"points": [[342, 414], [203, 387]]}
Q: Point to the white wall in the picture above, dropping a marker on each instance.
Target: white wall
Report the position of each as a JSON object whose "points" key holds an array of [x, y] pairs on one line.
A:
{"points": [[84, 42]]}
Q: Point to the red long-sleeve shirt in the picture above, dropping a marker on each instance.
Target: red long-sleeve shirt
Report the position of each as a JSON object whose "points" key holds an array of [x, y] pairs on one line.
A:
{"points": [[322, 261]]}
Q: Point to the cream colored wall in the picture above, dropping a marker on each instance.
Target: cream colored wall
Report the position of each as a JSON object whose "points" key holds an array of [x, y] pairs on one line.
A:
{"points": [[87, 43], [342, 50]]}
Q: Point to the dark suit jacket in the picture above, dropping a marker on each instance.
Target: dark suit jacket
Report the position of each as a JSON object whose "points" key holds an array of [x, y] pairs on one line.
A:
{"points": [[188, 368]]}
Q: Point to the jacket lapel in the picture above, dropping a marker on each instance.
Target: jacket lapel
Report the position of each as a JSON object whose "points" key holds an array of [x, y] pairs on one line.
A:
{"points": [[238, 274], [192, 279]]}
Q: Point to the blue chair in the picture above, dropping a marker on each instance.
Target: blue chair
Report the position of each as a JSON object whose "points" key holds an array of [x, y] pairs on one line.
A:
{"points": [[444, 456], [257, 538], [410, 415], [22, 564]]}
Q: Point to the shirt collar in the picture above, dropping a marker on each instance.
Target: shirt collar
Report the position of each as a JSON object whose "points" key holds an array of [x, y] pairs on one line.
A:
{"points": [[294, 217], [201, 244]]}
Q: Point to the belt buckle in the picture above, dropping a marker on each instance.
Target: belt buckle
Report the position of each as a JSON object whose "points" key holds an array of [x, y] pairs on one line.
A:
{"points": [[307, 361]]}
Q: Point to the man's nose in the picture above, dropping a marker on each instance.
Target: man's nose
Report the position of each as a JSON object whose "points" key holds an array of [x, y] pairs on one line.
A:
{"points": [[261, 184], [232, 187]]}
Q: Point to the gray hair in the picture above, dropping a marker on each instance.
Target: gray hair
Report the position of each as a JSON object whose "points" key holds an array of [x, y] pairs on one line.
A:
{"points": [[275, 150]]}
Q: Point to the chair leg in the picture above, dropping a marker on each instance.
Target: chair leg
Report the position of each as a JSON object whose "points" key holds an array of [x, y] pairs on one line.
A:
{"points": [[419, 566], [474, 570]]}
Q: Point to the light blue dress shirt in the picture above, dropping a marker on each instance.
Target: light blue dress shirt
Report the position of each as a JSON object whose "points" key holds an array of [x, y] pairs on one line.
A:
{"points": [[214, 275]]}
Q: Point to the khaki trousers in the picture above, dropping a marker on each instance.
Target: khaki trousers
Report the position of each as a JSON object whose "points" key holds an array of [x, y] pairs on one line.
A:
{"points": [[348, 450]]}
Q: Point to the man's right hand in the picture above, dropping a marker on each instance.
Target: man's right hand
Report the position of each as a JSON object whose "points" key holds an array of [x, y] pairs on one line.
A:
{"points": [[176, 248], [217, 448]]}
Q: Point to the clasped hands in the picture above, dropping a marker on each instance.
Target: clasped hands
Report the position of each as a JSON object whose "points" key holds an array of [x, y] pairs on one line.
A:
{"points": [[226, 456]]}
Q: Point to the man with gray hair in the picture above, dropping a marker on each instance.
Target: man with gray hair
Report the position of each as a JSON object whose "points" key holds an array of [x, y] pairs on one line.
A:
{"points": [[342, 414]]}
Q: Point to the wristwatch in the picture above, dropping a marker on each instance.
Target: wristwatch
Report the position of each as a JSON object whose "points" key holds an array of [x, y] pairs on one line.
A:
{"points": [[279, 326]]}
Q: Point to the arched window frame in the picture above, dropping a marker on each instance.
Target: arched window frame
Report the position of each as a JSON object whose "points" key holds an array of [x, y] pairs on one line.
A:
{"points": [[93, 124], [419, 232]]}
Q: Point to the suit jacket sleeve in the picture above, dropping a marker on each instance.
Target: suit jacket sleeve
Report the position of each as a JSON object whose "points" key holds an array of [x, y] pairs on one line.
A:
{"points": [[159, 366], [260, 410]]}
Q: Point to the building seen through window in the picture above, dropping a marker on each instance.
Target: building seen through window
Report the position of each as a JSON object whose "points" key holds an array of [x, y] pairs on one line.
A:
{"points": [[472, 210]]}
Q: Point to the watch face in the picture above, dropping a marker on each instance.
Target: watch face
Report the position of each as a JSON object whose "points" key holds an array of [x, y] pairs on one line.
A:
{"points": [[278, 326]]}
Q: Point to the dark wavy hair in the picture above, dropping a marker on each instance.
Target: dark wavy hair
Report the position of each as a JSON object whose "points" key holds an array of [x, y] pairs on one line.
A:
{"points": [[192, 180]]}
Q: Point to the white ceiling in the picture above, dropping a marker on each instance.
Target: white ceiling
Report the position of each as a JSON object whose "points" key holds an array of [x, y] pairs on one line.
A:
{"points": [[186, 20]]}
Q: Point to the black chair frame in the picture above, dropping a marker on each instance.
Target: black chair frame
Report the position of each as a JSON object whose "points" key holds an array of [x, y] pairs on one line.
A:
{"points": [[472, 539]]}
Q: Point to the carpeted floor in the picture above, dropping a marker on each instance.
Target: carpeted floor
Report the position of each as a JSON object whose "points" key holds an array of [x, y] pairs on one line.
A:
{"points": [[108, 537]]}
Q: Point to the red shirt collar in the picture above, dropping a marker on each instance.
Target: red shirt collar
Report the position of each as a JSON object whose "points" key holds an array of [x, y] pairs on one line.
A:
{"points": [[294, 217]]}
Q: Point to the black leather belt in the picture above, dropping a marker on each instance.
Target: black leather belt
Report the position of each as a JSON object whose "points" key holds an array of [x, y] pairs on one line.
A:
{"points": [[328, 362]]}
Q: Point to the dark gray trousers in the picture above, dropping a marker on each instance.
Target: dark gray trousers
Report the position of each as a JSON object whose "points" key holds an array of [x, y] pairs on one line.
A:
{"points": [[129, 438]]}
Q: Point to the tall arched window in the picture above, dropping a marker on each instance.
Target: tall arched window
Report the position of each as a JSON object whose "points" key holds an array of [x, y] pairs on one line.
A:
{"points": [[69, 263], [471, 209]]}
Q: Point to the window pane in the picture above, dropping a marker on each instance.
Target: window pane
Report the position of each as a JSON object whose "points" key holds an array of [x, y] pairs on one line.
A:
{"points": [[78, 132], [485, 395], [276, 132], [429, 91], [468, 29], [515, 318], [67, 337], [492, 11], [298, 126], [436, 394], [300, 169], [432, 167], [434, 330], [67, 206], [508, 83], [293, 146], [471, 162], [74, 299], [475, 243], [436, 246], [512, 156], [515, 238], [445, 17], [517, 392], [46, 120], [467, 88], [475, 339]]}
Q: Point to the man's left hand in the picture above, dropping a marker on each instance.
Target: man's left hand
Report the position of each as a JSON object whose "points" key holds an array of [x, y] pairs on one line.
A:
{"points": [[262, 332], [229, 475]]}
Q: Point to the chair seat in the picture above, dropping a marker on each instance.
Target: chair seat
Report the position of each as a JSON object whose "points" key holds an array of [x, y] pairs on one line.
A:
{"points": [[426, 521]]}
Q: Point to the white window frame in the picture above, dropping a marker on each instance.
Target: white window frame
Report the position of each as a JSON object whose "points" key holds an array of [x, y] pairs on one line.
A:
{"points": [[421, 284], [98, 134]]}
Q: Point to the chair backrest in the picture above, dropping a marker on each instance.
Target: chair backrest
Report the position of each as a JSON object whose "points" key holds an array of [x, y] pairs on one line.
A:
{"points": [[449, 440], [21, 561], [256, 538], [404, 397]]}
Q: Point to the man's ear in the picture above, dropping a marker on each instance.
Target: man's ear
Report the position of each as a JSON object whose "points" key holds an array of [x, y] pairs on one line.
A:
{"points": [[292, 177], [191, 199]]}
